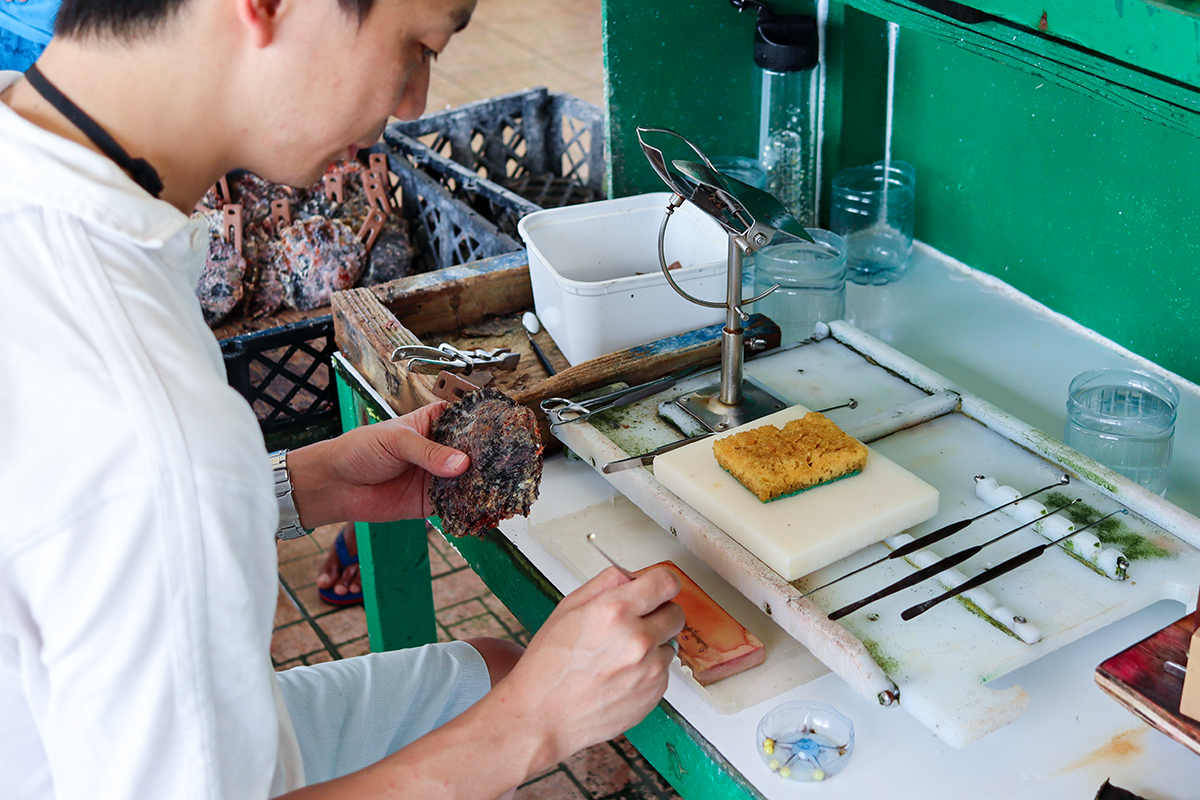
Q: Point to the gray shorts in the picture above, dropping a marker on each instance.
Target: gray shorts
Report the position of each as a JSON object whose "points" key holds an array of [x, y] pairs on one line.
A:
{"points": [[351, 713]]}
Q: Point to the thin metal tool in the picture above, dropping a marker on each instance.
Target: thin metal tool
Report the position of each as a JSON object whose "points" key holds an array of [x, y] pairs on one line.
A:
{"points": [[591, 537], [1172, 668], [933, 569], [555, 407], [1002, 568], [432, 360], [922, 542], [532, 325], [647, 458]]}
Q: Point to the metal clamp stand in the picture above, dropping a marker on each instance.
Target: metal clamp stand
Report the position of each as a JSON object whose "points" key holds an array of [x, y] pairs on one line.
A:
{"points": [[752, 218]]}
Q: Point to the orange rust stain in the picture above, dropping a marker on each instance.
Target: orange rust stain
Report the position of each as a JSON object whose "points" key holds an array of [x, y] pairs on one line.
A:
{"points": [[1043, 23], [1122, 746]]}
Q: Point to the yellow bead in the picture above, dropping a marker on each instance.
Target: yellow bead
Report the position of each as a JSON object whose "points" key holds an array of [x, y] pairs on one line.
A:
{"points": [[773, 764], [785, 772], [818, 775], [768, 746]]}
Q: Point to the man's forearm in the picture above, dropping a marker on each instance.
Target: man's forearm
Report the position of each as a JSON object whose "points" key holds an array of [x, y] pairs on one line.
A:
{"points": [[487, 750]]}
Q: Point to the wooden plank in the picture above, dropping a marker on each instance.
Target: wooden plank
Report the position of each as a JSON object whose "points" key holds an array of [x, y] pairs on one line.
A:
{"points": [[454, 298], [700, 348], [370, 323], [367, 333], [1137, 679]]}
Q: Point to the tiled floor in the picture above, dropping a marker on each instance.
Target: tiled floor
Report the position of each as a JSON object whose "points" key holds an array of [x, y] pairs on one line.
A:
{"points": [[307, 631], [510, 45], [517, 44]]}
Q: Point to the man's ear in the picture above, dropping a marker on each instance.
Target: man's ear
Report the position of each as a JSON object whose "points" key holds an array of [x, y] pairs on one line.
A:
{"points": [[259, 17]]}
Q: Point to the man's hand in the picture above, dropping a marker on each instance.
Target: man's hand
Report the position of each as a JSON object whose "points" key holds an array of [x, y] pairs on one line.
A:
{"points": [[599, 664], [375, 473]]}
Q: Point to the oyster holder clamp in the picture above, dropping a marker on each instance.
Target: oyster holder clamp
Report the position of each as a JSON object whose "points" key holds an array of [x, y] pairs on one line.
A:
{"points": [[752, 219]]}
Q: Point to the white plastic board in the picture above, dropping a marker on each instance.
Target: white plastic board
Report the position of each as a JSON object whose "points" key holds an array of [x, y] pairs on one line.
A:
{"points": [[798, 534]]}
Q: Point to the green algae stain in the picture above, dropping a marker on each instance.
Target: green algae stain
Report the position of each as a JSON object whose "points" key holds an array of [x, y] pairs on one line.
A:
{"points": [[886, 663], [1112, 531], [979, 612]]}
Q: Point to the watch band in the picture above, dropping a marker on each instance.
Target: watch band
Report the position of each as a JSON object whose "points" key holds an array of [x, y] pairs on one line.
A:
{"points": [[289, 518]]}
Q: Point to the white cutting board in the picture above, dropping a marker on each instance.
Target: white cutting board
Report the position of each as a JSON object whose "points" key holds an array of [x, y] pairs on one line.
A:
{"points": [[798, 534]]}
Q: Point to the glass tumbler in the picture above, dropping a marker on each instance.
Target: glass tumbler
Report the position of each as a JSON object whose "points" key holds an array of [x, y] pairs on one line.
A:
{"points": [[1125, 419], [812, 283], [873, 211]]}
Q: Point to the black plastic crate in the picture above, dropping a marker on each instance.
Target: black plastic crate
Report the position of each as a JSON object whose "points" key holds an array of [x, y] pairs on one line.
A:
{"points": [[508, 156], [445, 231], [285, 372], [286, 376]]}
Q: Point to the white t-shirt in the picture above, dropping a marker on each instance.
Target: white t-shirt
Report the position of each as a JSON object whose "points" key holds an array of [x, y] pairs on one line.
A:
{"points": [[137, 555]]}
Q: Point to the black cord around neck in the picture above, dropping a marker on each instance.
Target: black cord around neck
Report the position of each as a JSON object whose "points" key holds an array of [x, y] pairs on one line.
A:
{"points": [[139, 168]]}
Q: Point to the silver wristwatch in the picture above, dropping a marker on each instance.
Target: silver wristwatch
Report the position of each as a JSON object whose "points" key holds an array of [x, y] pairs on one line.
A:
{"points": [[289, 518]]}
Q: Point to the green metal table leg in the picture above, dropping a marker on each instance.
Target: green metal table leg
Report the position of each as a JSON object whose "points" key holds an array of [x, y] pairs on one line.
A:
{"points": [[393, 558]]}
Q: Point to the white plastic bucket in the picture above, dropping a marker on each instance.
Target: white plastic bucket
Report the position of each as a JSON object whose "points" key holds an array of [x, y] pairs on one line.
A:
{"points": [[597, 284]]}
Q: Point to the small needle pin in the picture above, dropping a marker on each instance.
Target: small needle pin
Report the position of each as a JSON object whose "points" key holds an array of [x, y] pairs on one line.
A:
{"points": [[591, 537]]}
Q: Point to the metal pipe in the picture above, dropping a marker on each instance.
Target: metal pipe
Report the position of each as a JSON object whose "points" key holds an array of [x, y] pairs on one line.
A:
{"points": [[733, 335]]}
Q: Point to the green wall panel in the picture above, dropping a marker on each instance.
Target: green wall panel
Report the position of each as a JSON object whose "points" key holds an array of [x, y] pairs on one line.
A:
{"points": [[684, 66], [1080, 204], [1064, 188]]}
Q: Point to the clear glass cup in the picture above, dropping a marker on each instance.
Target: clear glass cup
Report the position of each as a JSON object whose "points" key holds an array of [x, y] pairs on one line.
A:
{"points": [[1125, 419], [788, 140], [812, 283], [873, 211]]}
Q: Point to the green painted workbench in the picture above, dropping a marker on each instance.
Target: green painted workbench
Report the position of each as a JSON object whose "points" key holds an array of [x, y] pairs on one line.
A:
{"points": [[397, 590]]}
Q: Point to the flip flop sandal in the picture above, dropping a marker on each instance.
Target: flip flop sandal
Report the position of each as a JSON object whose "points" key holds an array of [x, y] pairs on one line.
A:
{"points": [[347, 560]]}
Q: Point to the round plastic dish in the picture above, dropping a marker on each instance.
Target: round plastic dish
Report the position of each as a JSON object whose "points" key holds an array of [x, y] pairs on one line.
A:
{"points": [[805, 741]]}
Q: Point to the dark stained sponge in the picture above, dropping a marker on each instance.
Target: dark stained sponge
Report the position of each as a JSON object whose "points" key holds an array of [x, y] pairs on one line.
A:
{"points": [[501, 438]]}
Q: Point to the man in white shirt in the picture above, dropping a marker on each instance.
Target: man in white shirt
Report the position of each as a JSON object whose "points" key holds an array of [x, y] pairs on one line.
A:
{"points": [[137, 561]]}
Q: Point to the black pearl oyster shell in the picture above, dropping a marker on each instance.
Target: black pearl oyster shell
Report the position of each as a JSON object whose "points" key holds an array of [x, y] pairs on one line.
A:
{"points": [[501, 438]]}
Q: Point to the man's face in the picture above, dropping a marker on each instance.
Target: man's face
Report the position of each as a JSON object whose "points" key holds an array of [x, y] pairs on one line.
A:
{"points": [[345, 80]]}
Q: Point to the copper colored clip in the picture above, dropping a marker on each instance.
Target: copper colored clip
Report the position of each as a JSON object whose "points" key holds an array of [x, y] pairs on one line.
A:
{"points": [[231, 225], [375, 187], [378, 162], [371, 228], [333, 186], [224, 196], [281, 213]]}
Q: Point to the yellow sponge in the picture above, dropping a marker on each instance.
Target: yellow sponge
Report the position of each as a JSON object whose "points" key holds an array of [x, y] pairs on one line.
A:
{"points": [[806, 452]]}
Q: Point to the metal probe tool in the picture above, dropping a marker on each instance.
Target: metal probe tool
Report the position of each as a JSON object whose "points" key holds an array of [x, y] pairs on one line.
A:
{"points": [[922, 542], [995, 572], [940, 566], [591, 537]]}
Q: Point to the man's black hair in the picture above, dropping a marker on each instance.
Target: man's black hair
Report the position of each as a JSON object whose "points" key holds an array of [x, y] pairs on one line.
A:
{"points": [[81, 18]]}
